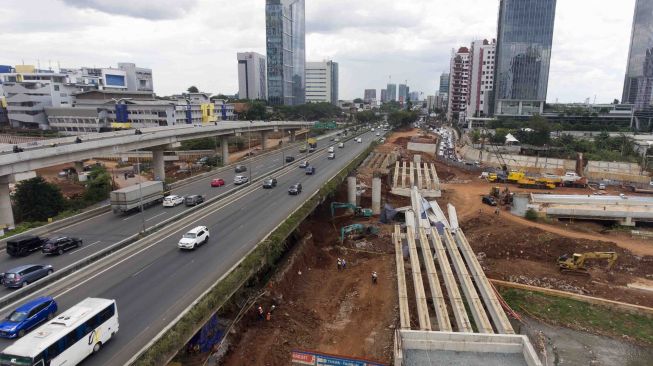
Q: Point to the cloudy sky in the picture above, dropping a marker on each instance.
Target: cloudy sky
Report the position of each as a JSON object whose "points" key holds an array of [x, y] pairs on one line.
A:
{"points": [[194, 42]]}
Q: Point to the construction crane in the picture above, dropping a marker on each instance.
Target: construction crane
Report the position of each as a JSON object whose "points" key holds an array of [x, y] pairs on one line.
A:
{"points": [[576, 263], [357, 230], [358, 211]]}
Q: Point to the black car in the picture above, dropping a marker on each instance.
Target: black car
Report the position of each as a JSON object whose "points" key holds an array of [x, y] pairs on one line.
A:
{"points": [[193, 200], [295, 189], [489, 200], [290, 159], [24, 245], [240, 168], [270, 183], [310, 170], [60, 244]]}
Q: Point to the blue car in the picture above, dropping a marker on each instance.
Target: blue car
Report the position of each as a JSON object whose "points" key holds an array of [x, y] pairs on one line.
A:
{"points": [[27, 317]]}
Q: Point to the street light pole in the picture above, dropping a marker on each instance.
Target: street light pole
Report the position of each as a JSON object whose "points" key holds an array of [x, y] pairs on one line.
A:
{"points": [[140, 189], [249, 150]]}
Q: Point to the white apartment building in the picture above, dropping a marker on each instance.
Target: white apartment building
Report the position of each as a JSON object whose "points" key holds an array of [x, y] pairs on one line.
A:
{"points": [[482, 54], [458, 85], [251, 76], [322, 82]]}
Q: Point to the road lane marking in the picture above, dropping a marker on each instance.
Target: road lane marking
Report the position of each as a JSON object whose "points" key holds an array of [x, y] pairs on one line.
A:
{"points": [[85, 246], [155, 216], [127, 218], [142, 269]]}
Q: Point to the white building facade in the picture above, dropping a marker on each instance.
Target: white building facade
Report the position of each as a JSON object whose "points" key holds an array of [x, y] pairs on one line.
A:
{"points": [[458, 85], [482, 54], [322, 82], [251, 76]]}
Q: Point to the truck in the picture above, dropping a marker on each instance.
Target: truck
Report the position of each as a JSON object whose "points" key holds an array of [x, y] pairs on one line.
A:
{"points": [[312, 142], [130, 198]]}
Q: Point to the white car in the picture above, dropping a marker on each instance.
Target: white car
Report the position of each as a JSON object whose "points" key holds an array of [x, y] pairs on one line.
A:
{"points": [[240, 179], [172, 200], [331, 156], [378, 134], [342, 145], [360, 140], [194, 238], [331, 149]]}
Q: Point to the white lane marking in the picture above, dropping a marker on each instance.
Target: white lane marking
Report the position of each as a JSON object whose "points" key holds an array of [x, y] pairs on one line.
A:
{"points": [[142, 269], [127, 218], [155, 216], [90, 218], [85, 246]]}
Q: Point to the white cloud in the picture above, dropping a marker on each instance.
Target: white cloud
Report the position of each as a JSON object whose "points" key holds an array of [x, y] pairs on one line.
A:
{"points": [[194, 42]]}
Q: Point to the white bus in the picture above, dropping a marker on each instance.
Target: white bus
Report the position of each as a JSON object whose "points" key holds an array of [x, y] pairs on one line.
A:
{"points": [[68, 338]]}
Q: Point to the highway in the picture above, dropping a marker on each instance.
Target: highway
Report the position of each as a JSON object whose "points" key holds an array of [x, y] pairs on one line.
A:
{"points": [[106, 229], [154, 284]]}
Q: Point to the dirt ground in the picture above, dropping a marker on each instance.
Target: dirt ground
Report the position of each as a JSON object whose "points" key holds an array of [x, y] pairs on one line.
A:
{"points": [[321, 308]]}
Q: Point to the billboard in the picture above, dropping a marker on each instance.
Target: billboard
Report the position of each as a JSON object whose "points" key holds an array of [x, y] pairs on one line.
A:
{"points": [[301, 357]]}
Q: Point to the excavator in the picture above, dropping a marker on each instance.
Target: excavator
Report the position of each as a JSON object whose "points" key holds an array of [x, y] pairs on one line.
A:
{"points": [[357, 230], [358, 211], [575, 264], [503, 197]]}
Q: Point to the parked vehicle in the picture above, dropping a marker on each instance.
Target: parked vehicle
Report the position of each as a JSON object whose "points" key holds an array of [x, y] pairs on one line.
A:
{"points": [[68, 338], [310, 170], [172, 200], [130, 198], [295, 189], [60, 244], [217, 182], [290, 159], [24, 245], [331, 156], [27, 316], [240, 179], [194, 200], [197, 236], [24, 275], [489, 200], [240, 168], [270, 183]]}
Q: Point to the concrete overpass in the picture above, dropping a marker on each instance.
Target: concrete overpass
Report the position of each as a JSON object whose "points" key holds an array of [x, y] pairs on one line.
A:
{"points": [[15, 166]]}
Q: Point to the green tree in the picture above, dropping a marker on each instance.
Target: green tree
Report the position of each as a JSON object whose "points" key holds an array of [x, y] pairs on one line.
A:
{"points": [[205, 143], [358, 100], [256, 111], [367, 117], [475, 136], [193, 89], [390, 106], [98, 185], [402, 118], [37, 200]]}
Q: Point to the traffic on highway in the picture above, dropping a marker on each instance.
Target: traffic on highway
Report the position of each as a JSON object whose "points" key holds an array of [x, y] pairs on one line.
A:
{"points": [[154, 280]]}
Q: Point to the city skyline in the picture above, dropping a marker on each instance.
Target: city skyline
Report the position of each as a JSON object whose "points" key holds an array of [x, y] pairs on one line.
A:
{"points": [[584, 50]]}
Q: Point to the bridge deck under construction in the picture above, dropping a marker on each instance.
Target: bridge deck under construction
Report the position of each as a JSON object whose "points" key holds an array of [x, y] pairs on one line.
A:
{"points": [[411, 174]]}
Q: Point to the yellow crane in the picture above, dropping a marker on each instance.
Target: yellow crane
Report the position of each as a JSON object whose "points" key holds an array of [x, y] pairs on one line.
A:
{"points": [[575, 264]]}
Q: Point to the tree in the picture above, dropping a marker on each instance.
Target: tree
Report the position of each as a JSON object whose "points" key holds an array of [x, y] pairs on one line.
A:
{"points": [[193, 89], [37, 200], [256, 111], [98, 185], [402, 118], [616, 101], [358, 100], [366, 117], [475, 136]]}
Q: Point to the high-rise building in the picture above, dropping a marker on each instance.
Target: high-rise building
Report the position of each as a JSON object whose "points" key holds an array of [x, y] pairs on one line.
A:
{"points": [[481, 78], [322, 82], [444, 83], [251, 76], [391, 92], [639, 70], [402, 96], [459, 85], [370, 95], [414, 96], [286, 51], [523, 56], [384, 95]]}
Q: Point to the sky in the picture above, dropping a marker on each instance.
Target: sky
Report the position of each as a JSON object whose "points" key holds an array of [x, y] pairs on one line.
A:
{"points": [[194, 42]]}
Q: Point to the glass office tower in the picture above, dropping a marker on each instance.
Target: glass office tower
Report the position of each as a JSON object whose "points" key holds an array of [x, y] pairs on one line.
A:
{"points": [[523, 56], [286, 54], [639, 70]]}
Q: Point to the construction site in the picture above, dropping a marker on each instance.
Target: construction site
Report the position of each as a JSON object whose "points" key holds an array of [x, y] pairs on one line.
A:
{"points": [[408, 264]]}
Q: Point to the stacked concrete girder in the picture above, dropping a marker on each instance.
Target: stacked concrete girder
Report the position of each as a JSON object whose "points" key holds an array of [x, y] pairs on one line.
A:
{"points": [[376, 195], [421, 175]]}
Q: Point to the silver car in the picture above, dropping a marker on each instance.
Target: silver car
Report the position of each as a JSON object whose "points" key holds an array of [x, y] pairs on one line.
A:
{"points": [[24, 275]]}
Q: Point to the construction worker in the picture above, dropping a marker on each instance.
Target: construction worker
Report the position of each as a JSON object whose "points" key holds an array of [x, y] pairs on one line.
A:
{"points": [[260, 312], [344, 263], [374, 278], [268, 316], [339, 264], [496, 210]]}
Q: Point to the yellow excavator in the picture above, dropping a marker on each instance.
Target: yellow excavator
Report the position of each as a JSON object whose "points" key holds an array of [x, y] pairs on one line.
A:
{"points": [[575, 264]]}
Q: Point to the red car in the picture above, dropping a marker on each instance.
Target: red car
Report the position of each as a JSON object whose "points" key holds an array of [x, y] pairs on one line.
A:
{"points": [[218, 182]]}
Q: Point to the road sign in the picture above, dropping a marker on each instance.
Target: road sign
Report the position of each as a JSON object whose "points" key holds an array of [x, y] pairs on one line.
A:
{"points": [[300, 357], [325, 125]]}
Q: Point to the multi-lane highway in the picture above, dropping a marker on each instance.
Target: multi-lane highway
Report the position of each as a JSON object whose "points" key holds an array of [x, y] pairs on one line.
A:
{"points": [[154, 284]]}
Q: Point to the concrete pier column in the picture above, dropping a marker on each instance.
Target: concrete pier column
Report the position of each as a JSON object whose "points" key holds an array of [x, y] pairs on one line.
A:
{"points": [[292, 136], [224, 144], [351, 190], [418, 160], [264, 140], [376, 196], [158, 165], [6, 214]]}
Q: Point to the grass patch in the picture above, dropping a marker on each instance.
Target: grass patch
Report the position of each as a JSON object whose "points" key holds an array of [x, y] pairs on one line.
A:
{"points": [[580, 315], [261, 260]]}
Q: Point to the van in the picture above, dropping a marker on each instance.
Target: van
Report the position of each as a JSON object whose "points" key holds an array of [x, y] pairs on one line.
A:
{"points": [[193, 200], [24, 245]]}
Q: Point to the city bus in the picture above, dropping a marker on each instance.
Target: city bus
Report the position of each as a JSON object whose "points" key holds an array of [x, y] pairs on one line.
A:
{"points": [[68, 338]]}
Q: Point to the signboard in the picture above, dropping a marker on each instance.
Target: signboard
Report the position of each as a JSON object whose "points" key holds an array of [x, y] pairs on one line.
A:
{"points": [[325, 125], [300, 357]]}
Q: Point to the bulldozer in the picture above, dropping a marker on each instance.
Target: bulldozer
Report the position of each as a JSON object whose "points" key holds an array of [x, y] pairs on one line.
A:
{"points": [[358, 211], [357, 230], [575, 264]]}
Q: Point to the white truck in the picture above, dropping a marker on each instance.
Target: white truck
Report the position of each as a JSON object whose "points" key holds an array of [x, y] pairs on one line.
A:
{"points": [[130, 198]]}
